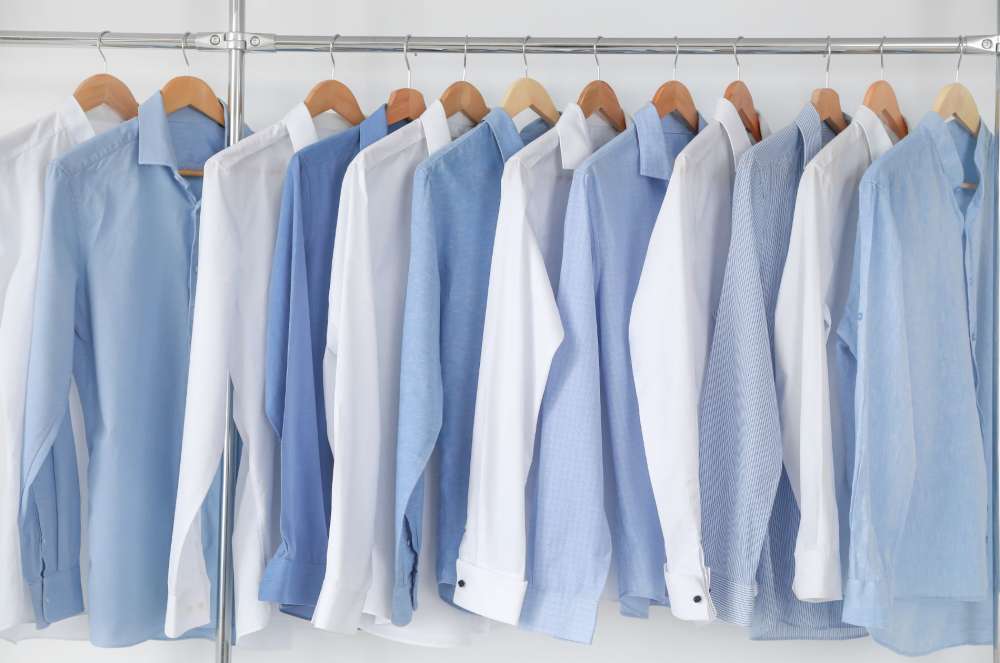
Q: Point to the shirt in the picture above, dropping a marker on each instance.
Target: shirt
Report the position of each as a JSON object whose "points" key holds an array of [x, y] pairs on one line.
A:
{"points": [[361, 367], [920, 328], [590, 468], [669, 333], [521, 332], [810, 304], [113, 310], [24, 157], [456, 200], [297, 303], [749, 518], [242, 194]]}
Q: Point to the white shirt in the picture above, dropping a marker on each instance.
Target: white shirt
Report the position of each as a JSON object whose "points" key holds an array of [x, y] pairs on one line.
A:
{"points": [[240, 207], [669, 335], [811, 298], [24, 159], [521, 333], [361, 375]]}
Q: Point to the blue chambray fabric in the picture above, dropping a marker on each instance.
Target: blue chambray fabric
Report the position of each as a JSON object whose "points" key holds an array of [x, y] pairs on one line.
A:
{"points": [[919, 332], [456, 200], [116, 285], [593, 497], [298, 298], [749, 515]]}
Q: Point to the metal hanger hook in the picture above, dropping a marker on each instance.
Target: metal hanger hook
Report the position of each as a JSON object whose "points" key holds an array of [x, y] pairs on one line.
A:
{"points": [[333, 62], [739, 69], [524, 54], [184, 53], [465, 56], [881, 58], [829, 55], [100, 48], [677, 55], [961, 52], [596, 60], [406, 60]]}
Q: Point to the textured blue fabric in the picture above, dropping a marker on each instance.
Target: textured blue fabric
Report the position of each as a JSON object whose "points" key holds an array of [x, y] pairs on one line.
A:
{"points": [[113, 310], [456, 199], [298, 298], [919, 333], [749, 515], [592, 489]]}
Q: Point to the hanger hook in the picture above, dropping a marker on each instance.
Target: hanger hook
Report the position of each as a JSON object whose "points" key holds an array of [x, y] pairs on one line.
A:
{"points": [[333, 62], [677, 54], [100, 48], [184, 41], [406, 60], [961, 52], [524, 54], [465, 56], [881, 58], [829, 55], [739, 71], [596, 60]]}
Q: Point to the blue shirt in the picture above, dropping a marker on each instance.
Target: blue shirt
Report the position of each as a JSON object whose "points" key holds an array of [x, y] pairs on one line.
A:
{"points": [[296, 334], [590, 465], [456, 199], [113, 310], [919, 329], [749, 516]]}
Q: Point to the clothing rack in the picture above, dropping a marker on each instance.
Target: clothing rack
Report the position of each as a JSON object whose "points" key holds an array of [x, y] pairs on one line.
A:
{"points": [[237, 42]]}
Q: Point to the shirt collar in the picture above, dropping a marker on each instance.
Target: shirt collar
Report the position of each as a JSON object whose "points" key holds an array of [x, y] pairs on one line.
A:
{"points": [[654, 158], [435, 124], [301, 127], [75, 120], [504, 132], [879, 138], [374, 127], [739, 139], [811, 130], [575, 144], [155, 146], [934, 125]]}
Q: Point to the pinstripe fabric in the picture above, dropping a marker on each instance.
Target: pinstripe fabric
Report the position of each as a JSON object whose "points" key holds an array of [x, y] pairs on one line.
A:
{"points": [[749, 514]]}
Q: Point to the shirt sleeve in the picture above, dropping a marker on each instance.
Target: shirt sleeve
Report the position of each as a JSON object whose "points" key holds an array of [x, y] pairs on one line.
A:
{"points": [[292, 392], [740, 459], [350, 367], [50, 489], [521, 333], [668, 337], [188, 583], [802, 379], [571, 547]]}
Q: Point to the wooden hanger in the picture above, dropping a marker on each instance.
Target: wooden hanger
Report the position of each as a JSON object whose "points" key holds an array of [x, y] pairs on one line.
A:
{"points": [[738, 94], [880, 99], [954, 101], [463, 97], [527, 93], [598, 97], [106, 89], [190, 91], [405, 103], [674, 97], [826, 101], [332, 95]]}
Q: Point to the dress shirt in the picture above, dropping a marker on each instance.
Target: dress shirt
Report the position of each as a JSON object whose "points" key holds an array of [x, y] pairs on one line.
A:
{"points": [[113, 310], [296, 336], [24, 157], [456, 200], [240, 207], [919, 325], [520, 335], [590, 468], [810, 303], [669, 333], [749, 517], [361, 366]]}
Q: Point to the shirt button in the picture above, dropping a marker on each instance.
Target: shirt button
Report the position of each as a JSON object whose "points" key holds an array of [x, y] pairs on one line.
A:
{"points": [[461, 583], [860, 315], [697, 598]]}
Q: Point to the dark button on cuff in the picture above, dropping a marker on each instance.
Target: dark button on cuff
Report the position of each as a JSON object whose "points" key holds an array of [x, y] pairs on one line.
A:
{"points": [[697, 599], [461, 583]]}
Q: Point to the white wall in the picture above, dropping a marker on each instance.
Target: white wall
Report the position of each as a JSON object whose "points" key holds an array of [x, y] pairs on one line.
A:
{"points": [[34, 81]]}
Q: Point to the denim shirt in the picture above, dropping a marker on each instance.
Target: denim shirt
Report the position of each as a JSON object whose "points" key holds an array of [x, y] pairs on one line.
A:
{"points": [[919, 333], [296, 336], [113, 309], [456, 199]]}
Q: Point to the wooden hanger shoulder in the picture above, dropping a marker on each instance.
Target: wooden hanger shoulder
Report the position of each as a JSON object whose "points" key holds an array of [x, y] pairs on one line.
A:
{"points": [[598, 97], [527, 93], [463, 97], [106, 89], [674, 97], [955, 101], [738, 94], [332, 95]]}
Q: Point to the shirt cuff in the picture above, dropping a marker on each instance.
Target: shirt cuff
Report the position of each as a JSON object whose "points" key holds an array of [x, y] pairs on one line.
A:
{"points": [[291, 582], [865, 604], [342, 612], [185, 611], [689, 596], [565, 615], [734, 601], [817, 577], [489, 593], [56, 596]]}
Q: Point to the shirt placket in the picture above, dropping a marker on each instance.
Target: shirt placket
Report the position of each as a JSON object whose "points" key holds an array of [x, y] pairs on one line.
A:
{"points": [[194, 216]]}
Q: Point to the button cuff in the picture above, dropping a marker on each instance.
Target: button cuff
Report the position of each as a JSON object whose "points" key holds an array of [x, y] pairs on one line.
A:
{"points": [[489, 593], [690, 599]]}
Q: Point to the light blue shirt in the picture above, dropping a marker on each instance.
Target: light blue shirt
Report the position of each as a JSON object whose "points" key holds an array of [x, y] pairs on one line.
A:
{"points": [[919, 327], [749, 516], [113, 310], [590, 465], [298, 301], [456, 200]]}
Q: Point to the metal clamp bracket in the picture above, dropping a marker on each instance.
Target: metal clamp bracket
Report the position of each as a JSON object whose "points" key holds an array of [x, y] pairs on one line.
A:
{"points": [[233, 41]]}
